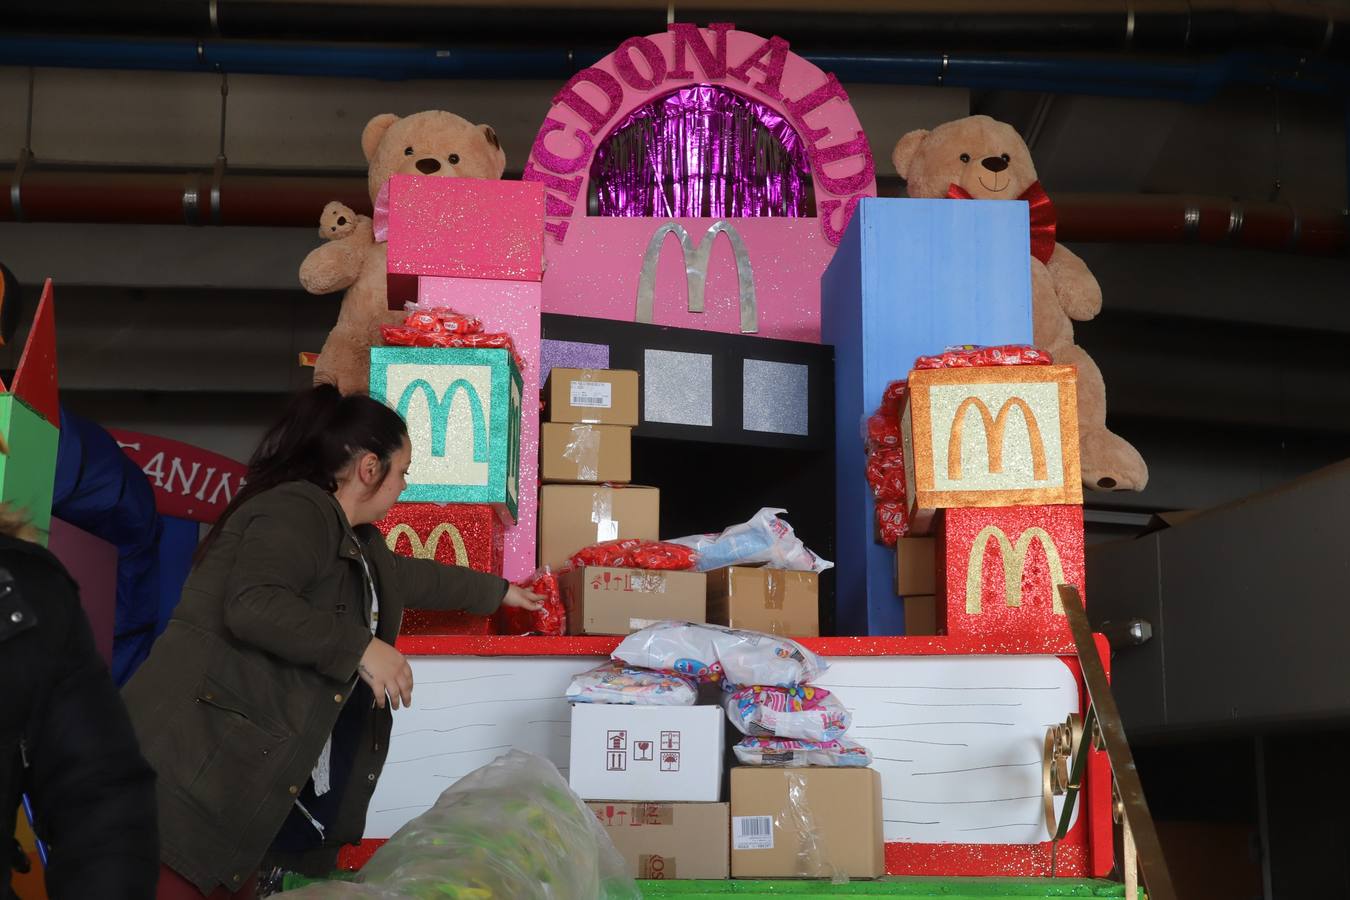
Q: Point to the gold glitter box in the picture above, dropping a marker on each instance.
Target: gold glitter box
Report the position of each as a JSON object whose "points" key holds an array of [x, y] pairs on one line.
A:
{"points": [[988, 437]]}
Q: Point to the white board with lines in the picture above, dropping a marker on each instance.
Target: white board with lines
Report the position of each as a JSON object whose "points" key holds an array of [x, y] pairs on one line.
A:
{"points": [[957, 739]]}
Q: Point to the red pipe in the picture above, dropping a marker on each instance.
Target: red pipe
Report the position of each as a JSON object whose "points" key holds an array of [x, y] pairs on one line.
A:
{"points": [[296, 200]]}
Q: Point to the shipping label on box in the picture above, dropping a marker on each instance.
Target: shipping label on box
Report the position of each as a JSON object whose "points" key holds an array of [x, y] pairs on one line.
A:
{"points": [[575, 516], [1002, 568], [571, 453], [607, 601], [663, 841], [990, 437], [806, 823], [455, 534], [774, 601], [463, 409], [595, 396], [647, 753]]}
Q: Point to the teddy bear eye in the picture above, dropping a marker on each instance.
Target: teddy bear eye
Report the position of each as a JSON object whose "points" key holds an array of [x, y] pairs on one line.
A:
{"points": [[1007, 158], [407, 151], [454, 159], [965, 157]]}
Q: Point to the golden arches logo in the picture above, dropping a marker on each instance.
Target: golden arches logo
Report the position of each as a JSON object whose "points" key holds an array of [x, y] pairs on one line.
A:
{"points": [[994, 426], [1014, 565], [427, 550]]}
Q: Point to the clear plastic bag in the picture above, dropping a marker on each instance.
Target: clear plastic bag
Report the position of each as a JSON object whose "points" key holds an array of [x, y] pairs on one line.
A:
{"points": [[805, 713], [767, 751], [766, 538], [711, 654], [619, 684], [510, 829]]}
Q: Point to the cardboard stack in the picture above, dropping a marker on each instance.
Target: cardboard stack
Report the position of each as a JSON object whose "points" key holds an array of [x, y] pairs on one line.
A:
{"points": [[587, 435]]}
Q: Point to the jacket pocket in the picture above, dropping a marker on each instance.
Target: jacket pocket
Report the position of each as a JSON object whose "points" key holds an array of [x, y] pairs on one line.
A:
{"points": [[242, 756]]}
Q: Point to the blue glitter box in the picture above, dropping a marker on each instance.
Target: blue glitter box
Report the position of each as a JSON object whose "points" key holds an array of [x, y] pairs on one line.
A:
{"points": [[463, 409]]}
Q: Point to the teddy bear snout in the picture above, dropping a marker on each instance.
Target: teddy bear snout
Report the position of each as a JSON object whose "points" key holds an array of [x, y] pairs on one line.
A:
{"points": [[428, 166], [994, 163]]}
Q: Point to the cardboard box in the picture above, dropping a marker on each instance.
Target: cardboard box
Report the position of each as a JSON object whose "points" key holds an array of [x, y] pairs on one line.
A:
{"points": [[915, 567], [996, 436], [774, 601], [573, 516], [921, 614], [605, 601], [843, 806], [463, 408], [595, 396], [664, 841], [574, 453], [648, 753]]}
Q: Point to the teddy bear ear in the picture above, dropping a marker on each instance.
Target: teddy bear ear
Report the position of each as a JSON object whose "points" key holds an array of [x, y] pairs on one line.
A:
{"points": [[491, 136], [905, 149], [374, 133]]}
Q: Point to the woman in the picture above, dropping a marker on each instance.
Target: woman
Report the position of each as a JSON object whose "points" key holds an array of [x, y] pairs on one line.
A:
{"points": [[265, 706]]}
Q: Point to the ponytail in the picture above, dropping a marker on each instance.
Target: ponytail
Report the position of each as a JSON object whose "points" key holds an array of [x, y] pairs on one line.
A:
{"points": [[320, 433]]}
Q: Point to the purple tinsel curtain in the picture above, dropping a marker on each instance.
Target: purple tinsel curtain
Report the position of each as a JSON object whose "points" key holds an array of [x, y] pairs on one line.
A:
{"points": [[702, 151]]}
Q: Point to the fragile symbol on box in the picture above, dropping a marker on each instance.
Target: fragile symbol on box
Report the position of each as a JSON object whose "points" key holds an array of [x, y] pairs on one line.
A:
{"points": [[670, 761], [616, 761], [642, 751], [670, 740], [616, 740]]}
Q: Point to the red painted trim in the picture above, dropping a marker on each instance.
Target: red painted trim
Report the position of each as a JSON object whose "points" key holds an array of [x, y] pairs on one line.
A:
{"points": [[1102, 846], [507, 645]]}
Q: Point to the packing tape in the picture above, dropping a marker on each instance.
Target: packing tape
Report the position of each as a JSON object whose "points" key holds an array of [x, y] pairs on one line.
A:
{"points": [[774, 588], [602, 515], [584, 450], [813, 859]]}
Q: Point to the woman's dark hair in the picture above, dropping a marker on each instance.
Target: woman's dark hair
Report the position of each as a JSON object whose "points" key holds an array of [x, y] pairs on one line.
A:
{"points": [[319, 434]]}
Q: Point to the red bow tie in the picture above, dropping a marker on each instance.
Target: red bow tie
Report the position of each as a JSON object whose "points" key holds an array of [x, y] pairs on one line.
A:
{"points": [[1042, 217]]}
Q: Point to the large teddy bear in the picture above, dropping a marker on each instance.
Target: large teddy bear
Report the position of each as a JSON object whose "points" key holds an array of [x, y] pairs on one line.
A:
{"points": [[426, 143], [978, 157]]}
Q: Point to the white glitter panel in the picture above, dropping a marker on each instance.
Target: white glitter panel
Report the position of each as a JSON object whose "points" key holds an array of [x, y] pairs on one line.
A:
{"points": [[774, 397], [1043, 400], [457, 466], [677, 388]]}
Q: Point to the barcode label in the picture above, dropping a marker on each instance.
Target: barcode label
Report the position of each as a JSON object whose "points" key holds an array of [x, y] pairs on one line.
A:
{"points": [[592, 394], [752, 833]]}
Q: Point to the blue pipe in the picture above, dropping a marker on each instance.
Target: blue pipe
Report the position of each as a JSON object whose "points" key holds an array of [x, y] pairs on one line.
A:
{"points": [[1192, 82]]}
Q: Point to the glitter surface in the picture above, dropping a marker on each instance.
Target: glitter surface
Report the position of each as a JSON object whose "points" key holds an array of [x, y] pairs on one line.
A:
{"points": [[570, 355], [774, 397], [677, 388]]}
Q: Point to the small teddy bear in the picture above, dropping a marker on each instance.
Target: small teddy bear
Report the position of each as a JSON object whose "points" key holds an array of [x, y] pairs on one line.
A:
{"points": [[433, 142], [980, 158]]}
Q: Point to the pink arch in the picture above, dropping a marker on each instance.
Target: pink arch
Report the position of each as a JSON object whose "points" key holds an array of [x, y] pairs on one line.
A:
{"points": [[596, 99]]}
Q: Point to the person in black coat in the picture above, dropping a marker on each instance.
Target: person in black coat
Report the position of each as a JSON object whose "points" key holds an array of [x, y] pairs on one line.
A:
{"points": [[65, 738]]}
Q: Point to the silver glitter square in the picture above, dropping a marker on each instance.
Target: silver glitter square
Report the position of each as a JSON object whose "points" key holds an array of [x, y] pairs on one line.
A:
{"points": [[774, 397], [677, 388]]}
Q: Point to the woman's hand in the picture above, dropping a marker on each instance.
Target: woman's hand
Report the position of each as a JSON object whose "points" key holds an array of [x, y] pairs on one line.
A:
{"points": [[388, 674], [519, 598]]}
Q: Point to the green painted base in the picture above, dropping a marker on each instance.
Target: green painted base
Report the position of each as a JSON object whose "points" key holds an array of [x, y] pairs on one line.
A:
{"points": [[947, 888], [28, 473]]}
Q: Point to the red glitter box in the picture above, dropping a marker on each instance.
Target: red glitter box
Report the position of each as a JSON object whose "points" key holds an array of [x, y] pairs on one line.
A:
{"points": [[457, 534], [1001, 567]]}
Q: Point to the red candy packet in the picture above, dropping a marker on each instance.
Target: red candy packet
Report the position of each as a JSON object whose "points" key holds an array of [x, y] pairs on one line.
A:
{"points": [[551, 620], [974, 357], [635, 554]]}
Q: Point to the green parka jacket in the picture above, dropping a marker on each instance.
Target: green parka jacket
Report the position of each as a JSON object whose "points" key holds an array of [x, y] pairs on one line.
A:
{"points": [[243, 689]]}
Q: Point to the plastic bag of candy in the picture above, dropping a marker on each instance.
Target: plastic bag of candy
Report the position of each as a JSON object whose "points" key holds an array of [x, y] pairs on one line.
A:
{"points": [[970, 356], [710, 653], [766, 538], [657, 556], [892, 521], [439, 319], [886, 474], [882, 431], [510, 829], [767, 751], [619, 684], [551, 620], [804, 712]]}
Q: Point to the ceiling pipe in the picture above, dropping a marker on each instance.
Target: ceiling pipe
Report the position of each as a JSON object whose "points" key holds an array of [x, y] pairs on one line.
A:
{"points": [[107, 196], [1168, 26]]}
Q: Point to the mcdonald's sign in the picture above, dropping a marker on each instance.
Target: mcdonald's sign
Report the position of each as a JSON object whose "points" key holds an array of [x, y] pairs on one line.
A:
{"points": [[463, 409], [696, 272], [988, 437], [1002, 568]]}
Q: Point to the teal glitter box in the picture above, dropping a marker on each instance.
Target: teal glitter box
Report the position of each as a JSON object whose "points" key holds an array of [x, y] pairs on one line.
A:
{"points": [[463, 409]]}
